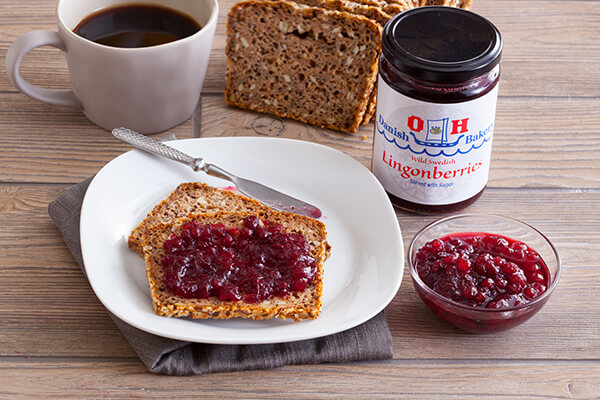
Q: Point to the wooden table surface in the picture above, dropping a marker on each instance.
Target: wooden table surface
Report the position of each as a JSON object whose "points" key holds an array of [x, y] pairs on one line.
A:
{"points": [[57, 341]]}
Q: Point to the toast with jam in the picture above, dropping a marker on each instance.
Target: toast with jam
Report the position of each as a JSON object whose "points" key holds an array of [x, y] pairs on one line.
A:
{"points": [[226, 265]]}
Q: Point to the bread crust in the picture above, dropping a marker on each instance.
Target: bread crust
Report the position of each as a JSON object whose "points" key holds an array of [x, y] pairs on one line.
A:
{"points": [[375, 13], [295, 306]]}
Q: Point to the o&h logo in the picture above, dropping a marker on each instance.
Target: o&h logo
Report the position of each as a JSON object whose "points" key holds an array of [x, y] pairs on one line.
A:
{"points": [[433, 137]]}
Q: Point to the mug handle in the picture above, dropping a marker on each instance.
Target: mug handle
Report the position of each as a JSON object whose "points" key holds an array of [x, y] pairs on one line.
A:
{"points": [[23, 45]]}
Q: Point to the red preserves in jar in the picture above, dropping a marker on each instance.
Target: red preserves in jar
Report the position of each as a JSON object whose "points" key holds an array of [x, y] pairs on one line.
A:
{"points": [[436, 104]]}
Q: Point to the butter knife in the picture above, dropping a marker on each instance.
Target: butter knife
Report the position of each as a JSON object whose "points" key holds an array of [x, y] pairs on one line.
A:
{"points": [[266, 195]]}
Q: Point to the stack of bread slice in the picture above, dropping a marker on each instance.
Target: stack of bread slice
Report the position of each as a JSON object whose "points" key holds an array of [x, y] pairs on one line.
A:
{"points": [[208, 205], [310, 60], [189, 198]]}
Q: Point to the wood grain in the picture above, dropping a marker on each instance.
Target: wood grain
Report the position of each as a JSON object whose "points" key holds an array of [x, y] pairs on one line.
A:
{"points": [[58, 342], [551, 52], [467, 380], [530, 149]]}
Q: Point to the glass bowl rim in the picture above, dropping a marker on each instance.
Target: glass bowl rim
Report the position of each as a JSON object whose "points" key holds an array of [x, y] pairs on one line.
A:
{"points": [[417, 279]]}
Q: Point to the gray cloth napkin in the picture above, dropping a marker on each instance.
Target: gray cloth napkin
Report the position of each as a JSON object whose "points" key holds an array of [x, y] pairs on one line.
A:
{"points": [[370, 341]]}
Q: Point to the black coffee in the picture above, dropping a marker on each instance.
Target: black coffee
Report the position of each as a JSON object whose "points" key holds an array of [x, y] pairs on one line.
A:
{"points": [[136, 26]]}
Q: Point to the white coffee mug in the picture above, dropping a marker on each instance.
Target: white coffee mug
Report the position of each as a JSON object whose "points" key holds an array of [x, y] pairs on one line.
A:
{"points": [[147, 89]]}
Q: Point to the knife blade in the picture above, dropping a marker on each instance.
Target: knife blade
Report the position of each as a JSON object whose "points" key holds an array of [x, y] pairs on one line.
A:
{"points": [[264, 194]]}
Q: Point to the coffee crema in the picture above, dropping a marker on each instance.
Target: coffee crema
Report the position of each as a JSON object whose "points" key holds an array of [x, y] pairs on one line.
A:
{"points": [[131, 26]]}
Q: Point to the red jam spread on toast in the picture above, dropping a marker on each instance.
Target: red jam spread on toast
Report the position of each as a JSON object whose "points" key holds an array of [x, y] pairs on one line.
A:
{"points": [[255, 262], [483, 270]]}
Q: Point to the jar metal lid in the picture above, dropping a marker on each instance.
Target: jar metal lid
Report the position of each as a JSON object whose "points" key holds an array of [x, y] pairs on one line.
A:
{"points": [[441, 44]]}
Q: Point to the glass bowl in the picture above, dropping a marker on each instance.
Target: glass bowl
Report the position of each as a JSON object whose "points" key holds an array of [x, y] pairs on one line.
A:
{"points": [[478, 319]]}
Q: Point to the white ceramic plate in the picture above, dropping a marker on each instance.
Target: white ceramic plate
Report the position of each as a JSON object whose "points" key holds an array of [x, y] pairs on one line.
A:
{"points": [[361, 277]]}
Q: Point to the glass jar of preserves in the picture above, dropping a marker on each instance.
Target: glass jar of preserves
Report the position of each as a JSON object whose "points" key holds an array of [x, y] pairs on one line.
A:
{"points": [[436, 105]]}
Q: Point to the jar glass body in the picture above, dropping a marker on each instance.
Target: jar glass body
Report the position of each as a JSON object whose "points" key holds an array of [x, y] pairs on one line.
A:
{"points": [[438, 99]]}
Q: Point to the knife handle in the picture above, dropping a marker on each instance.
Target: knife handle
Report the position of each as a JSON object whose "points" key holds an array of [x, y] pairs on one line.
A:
{"points": [[148, 144]]}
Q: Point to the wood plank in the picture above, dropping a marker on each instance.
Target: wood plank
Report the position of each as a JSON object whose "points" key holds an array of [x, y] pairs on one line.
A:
{"points": [[530, 149], [43, 293], [465, 380], [545, 171], [550, 53], [546, 143], [59, 145]]}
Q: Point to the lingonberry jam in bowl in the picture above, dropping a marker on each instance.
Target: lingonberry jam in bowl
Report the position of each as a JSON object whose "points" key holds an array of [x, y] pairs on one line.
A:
{"points": [[483, 273]]}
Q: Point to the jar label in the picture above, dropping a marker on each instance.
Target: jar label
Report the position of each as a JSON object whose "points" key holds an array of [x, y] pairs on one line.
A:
{"points": [[432, 153]]}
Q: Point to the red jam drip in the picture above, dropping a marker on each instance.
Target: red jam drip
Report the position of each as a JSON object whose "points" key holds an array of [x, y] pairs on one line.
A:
{"points": [[483, 270], [253, 263]]}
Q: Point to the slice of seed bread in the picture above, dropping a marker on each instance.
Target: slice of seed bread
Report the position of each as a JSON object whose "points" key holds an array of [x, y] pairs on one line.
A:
{"points": [[296, 306], [371, 9], [193, 197], [306, 63]]}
